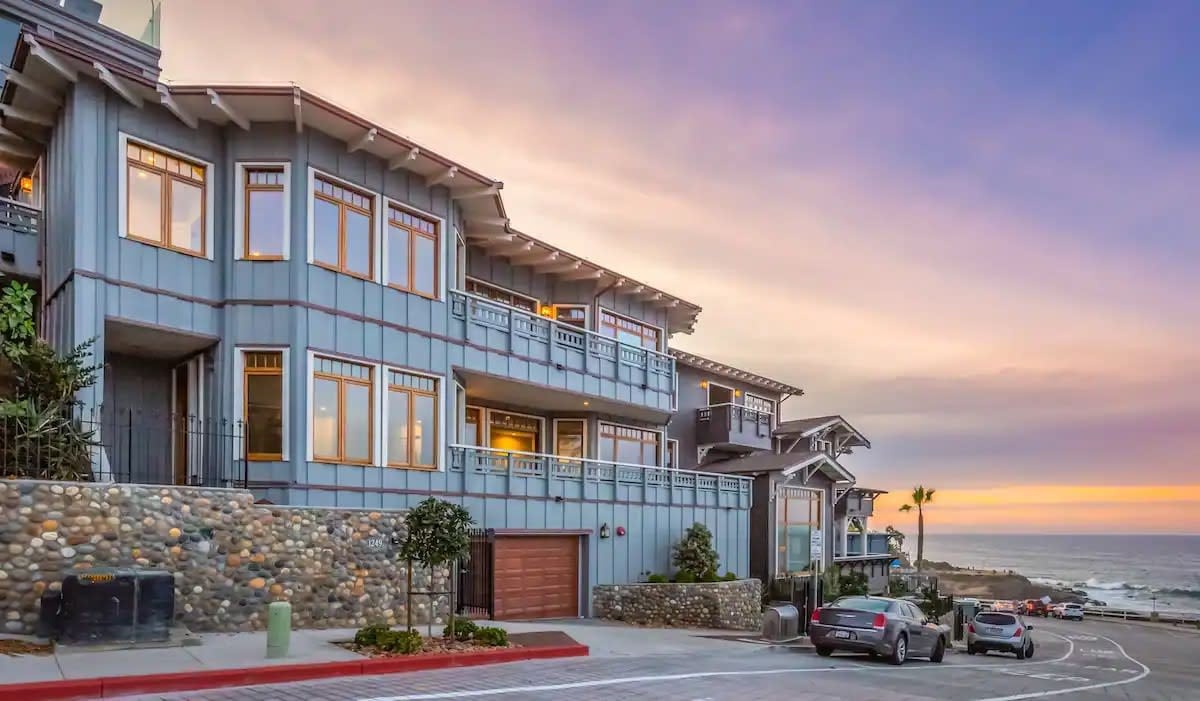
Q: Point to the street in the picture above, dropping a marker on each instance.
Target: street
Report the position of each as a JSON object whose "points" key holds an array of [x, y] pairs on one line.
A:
{"points": [[1089, 661]]}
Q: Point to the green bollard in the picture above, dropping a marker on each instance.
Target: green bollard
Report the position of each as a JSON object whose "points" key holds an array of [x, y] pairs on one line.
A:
{"points": [[279, 629]]}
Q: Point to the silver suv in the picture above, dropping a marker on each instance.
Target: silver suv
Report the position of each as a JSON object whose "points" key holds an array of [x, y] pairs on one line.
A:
{"points": [[1006, 632]]}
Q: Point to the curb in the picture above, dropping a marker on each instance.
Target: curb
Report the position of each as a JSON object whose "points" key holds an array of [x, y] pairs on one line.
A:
{"points": [[109, 687]]}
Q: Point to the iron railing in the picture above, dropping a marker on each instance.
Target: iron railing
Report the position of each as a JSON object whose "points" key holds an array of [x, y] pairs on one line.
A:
{"points": [[476, 576], [127, 445]]}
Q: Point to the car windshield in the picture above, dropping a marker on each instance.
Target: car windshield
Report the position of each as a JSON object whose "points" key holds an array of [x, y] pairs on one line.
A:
{"points": [[995, 619], [1074, 606], [862, 604]]}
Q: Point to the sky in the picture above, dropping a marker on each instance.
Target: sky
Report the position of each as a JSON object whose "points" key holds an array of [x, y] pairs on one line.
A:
{"points": [[969, 228]]}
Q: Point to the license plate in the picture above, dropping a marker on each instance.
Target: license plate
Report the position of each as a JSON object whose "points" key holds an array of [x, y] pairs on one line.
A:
{"points": [[992, 630], [841, 634]]}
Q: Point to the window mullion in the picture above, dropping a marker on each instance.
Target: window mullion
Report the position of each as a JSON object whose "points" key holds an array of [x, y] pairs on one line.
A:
{"points": [[341, 420]]}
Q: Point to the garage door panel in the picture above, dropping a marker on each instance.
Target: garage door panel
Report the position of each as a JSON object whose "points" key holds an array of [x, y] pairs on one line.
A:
{"points": [[537, 576]]}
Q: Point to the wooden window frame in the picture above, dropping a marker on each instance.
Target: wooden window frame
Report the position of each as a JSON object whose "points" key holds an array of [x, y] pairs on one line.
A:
{"points": [[601, 437], [554, 437], [342, 380], [409, 393], [164, 194], [586, 315], [280, 371], [343, 206], [480, 425], [603, 325], [487, 425], [672, 450], [246, 169], [471, 280], [436, 236]]}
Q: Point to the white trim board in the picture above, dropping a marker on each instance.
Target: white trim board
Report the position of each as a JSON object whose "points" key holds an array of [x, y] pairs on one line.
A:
{"points": [[210, 186]]}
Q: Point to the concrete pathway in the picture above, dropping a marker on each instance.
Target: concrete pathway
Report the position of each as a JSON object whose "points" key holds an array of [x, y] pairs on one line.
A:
{"points": [[242, 650]]}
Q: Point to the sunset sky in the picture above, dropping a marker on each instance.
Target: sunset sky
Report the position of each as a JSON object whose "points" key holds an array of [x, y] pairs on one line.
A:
{"points": [[970, 228]]}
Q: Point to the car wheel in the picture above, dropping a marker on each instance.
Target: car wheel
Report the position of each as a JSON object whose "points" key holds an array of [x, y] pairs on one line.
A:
{"points": [[1029, 651], [970, 649], [1020, 652], [899, 651], [939, 651], [824, 651]]}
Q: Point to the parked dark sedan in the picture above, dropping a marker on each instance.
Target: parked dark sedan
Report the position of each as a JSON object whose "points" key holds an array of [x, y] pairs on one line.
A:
{"points": [[878, 626]]}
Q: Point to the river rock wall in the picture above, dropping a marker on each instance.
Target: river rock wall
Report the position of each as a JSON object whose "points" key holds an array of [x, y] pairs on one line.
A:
{"points": [[230, 557], [735, 605]]}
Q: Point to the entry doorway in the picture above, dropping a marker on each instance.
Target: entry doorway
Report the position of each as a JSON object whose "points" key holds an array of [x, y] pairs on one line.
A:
{"points": [[187, 402]]}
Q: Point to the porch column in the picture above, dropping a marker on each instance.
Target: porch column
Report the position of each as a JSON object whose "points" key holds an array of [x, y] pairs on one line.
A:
{"points": [[866, 547], [845, 549]]}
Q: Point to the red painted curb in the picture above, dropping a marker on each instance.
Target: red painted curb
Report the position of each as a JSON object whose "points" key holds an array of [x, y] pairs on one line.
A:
{"points": [[108, 687]]}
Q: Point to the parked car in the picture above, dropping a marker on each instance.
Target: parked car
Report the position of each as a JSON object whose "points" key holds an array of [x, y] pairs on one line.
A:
{"points": [[893, 628], [1036, 607], [1005, 632], [1056, 609], [1005, 606], [1072, 611]]}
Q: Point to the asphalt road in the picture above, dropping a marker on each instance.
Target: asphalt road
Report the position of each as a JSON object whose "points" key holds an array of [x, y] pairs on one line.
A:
{"points": [[1086, 661]]}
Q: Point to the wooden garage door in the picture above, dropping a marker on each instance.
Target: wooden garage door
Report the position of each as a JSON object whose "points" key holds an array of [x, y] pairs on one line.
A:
{"points": [[537, 576]]}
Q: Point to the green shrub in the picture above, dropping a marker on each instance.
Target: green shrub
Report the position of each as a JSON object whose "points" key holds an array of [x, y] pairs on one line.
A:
{"points": [[464, 628], [730, 577], [656, 579], [684, 577], [404, 642], [853, 584], [491, 636], [370, 635], [710, 576], [695, 552]]}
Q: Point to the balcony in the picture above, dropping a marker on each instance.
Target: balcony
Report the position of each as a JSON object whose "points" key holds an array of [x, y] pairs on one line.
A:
{"points": [[516, 344], [19, 239], [733, 427], [517, 474], [877, 545]]}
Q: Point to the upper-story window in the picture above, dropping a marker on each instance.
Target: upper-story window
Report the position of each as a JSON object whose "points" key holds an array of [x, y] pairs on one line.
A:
{"points": [[760, 404], [630, 331], [264, 211], [165, 199], [628, 444], [412, 252], [502, 295], [343, 228]]}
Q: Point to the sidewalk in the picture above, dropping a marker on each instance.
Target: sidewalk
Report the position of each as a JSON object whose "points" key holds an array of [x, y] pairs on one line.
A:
{"points": [[220, 653]]}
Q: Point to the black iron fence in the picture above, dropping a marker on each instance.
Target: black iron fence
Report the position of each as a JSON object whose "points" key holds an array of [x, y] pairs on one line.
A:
{"points": [[476, 577], [125, 445]]}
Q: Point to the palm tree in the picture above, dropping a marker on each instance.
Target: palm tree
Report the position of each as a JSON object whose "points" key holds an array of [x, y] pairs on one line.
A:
{"points": [[920, 497]]}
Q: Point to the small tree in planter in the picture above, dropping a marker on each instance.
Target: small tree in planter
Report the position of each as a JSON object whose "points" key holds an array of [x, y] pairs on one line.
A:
{"points": [[695, 555], [437, 536]]}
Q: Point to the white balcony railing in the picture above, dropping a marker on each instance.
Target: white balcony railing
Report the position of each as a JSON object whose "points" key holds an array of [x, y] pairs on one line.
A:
{"points": [[490, 461], [557, 335], [18, 218]]}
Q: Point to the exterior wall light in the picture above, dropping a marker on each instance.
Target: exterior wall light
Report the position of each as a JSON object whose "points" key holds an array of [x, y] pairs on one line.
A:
{"points": [[604, 532], [703, 384]]}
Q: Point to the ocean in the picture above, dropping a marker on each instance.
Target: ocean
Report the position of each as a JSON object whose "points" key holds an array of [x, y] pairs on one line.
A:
{"points": [[1125, 571]]}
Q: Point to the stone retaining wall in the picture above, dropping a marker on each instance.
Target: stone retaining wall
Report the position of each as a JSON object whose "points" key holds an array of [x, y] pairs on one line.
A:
{"points": [[733, 605], [230, 557]]}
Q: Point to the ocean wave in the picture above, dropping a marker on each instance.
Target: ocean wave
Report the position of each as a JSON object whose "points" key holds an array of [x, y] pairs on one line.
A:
{"points": [[1094, 583], [1182, 593]]}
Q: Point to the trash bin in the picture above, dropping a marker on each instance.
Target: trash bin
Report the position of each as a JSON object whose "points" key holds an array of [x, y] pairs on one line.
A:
{"points": [[781, 622], [964, 612]]}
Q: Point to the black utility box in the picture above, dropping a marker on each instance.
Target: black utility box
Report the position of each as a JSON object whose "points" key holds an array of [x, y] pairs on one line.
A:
{"points": [[115, 605]]}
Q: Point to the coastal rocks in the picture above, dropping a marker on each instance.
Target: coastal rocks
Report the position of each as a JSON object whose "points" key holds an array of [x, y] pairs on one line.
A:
{"points": [[735, 605], [230, 557]]}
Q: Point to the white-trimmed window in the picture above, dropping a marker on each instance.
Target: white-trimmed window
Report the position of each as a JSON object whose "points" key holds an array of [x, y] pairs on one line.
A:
{"points": [[262, 211], [630, 331], [570, 438], [503, 295], [412, 251], [343, 411], [166, 199], [341, 226], [628, 444], [508, 430], [759, 404], [262, 401], [412, 420], [798, 514]]}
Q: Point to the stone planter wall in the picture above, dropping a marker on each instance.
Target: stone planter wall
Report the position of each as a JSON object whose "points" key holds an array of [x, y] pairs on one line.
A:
{"points": [[733, 605], [230, 557]]}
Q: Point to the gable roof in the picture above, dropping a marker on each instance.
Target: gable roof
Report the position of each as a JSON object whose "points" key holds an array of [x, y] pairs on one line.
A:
{"points": [[785, 463], [718, 368], [806, 428]]}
